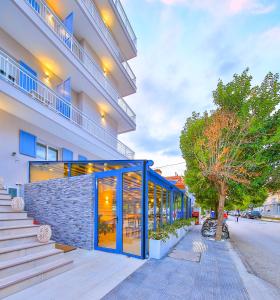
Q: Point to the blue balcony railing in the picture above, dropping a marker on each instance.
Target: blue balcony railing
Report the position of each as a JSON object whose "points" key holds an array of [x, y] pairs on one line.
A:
{"points": [[13, 73]]}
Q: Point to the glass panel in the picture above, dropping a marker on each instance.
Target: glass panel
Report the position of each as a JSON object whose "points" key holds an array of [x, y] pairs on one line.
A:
{"points": [[41, 151], [151, 196], [164, 212], [185, 207], [158, 205], [132, 223], [47, 171], [52, 154], [168, 207], [177, 206], [82, 169], [107, 214]]}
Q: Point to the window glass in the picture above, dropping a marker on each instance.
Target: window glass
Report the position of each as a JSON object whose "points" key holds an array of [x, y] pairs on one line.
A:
{"points": [[168, 207], [164, 206], [52, 154], [47, 171], [107, 212], [151, 204], [41, 151], [132, 214], [158, 206]]}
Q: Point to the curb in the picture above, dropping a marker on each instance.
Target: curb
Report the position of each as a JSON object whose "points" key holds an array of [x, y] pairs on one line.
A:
{"points": [[257, 288], [270, 220]]}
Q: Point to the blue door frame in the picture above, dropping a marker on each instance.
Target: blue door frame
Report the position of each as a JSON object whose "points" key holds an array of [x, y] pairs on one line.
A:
{"points": [[119, 209]]}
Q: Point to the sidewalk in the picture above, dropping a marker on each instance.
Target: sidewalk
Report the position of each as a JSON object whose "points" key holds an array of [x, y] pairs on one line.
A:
{"points": [[214, 277]]}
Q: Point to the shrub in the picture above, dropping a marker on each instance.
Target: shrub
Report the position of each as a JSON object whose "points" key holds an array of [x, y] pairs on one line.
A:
{"points": [[166, 230]]}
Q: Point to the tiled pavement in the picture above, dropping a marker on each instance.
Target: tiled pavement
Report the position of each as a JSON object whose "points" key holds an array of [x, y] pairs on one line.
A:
{"points": [[214, 277]]}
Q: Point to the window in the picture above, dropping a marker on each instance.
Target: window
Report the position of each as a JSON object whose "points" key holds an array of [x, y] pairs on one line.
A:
{"points": [[151, 194], [52, 154], [41, 151], [46, 153], [27, 143]]}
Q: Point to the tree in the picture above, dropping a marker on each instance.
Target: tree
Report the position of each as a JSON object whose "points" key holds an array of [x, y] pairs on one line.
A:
{"points": [[232, 150]]}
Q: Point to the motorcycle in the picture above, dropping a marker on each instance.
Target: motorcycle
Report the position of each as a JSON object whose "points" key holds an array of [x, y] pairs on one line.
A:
{"points": [[209, 229]]}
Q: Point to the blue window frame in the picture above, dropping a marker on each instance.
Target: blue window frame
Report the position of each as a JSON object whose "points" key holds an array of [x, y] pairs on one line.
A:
{"points": [[27, 143], [34, 4], [64, 105], [82, 158], [27, 77], [69, 24], [67, 154]]}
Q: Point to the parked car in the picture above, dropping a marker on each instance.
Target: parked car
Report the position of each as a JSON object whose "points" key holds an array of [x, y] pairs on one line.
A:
{"points": [[254, 214]]}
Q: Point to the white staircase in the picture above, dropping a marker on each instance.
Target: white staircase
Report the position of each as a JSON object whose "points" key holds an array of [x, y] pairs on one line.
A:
{"points": [[23, 260]]}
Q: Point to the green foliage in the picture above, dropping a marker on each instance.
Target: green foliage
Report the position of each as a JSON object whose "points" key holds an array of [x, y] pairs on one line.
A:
{"points": [[249, 151], [163, 233], [104, 228]]}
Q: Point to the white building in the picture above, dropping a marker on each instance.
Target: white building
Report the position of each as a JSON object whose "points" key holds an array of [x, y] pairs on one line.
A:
{"points": [[271, 206], [63, 76]]}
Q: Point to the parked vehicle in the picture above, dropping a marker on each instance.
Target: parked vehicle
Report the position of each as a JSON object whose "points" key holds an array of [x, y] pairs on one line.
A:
{"points": [[254, 214], [209, 229]]}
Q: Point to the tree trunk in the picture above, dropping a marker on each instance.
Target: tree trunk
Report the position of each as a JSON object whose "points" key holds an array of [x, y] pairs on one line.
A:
{"points": [[222, 197], [216, 208]]}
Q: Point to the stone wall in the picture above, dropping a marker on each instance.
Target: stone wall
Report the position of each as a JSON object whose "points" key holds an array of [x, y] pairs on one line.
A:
{"points": [[66, 205]]}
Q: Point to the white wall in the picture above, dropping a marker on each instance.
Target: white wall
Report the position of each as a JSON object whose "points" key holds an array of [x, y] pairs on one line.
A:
{"points": [[14, 169], [89, 107]]}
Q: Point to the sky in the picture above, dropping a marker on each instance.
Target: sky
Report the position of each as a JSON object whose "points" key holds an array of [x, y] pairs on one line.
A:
{"points": [[184, 48]]}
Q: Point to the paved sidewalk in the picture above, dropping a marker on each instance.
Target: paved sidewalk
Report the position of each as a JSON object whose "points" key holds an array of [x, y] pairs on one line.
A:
{"points": [[214, 277]]}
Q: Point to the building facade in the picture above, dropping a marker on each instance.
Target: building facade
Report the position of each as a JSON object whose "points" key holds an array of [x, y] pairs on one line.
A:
{"points": [[63, 75], [271, 206]]}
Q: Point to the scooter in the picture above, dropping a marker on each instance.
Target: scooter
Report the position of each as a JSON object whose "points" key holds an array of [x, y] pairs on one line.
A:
{"points": [[209, 229]]}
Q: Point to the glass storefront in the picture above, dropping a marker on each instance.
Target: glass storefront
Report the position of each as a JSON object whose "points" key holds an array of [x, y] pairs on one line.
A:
{"points": [[127, 194]]}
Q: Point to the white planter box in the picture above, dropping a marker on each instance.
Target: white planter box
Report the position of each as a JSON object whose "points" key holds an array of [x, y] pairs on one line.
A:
{"points": [[158, 248]]}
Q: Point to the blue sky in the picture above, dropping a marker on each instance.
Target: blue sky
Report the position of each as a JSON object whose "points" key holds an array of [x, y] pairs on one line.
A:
{"points": [[184, 47]]}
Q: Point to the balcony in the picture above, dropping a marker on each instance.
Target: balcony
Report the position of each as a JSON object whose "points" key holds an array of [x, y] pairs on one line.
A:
{"points": [[69, 41], [11, 72], [115, 17], [107, 36], [124, 18]]}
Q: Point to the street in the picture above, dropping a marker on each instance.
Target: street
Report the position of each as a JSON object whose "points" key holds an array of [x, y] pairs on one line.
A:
{"points": [[258, 245]]}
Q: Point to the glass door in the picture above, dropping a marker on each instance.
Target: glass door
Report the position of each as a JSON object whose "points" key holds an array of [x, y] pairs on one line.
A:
{"points": [[107, 218], [118, 211], [132, 212]]}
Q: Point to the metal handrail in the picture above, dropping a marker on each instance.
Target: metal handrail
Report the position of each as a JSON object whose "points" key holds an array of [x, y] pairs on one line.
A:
{"points": [[125, 20], [104, 30], [55, 24], [13, 73], [127, 109]]}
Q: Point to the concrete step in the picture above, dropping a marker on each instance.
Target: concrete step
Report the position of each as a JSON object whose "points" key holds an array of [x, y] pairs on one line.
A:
{"points": [[5, 207], [5, 201], [14, 230], [16, 222], [20, 264], [5, 196], [13, 215], [22, 280], [24, 249], [19, 239]]}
